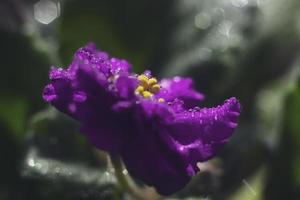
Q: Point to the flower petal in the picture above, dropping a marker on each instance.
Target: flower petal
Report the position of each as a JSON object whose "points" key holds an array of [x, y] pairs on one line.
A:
{"points": [[126, 85], [181, 88], [120, 66], [59, 92], [201, 133], [150, 155], [108, 66], [83, 94]]}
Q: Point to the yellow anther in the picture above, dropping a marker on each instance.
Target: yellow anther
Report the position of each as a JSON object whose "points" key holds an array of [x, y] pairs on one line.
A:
{"points": [[143, 81], [155, 89], [139, 90], [142, 77], [161, 100], [147, 94], [152, 81], [147, 87]]}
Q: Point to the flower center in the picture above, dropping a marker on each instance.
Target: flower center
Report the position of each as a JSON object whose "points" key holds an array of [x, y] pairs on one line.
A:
{"points": [[148, 87]]}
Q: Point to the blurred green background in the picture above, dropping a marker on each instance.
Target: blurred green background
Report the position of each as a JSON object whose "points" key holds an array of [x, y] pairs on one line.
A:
{"points": [[243, 48]]}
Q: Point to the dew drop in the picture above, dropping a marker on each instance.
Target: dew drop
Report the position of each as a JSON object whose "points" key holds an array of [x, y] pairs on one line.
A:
{"points": [[197, 108], [72, 107], [177, 79]]}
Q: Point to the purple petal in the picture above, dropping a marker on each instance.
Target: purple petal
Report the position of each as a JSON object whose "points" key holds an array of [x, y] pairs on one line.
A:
{"points": [[119, 66], [60, 92], [126, 85], [90, 55], [150, 155], [181, 88], [83, 94], [201, 133]]}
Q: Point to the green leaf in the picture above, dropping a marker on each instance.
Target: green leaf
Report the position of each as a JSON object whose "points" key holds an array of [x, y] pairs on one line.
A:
{"points": [[62, 164], [13, 112], [284, 177]]}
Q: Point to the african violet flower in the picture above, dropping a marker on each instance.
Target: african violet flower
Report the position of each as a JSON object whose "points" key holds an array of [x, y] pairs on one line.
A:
{"points": [[153, 125]]}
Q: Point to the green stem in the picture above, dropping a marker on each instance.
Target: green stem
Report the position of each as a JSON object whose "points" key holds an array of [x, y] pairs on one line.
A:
{"points": [[122, 179]]}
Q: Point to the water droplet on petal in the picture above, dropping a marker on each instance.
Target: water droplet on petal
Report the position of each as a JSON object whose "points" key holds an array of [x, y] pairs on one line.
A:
{"points": [[197, 109], [72, 107], [176, 79]]}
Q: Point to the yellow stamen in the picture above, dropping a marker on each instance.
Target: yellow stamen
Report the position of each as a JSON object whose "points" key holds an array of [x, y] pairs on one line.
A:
{"points": [[147, 87], [152, 81], [143, 81], [155, 89], [147, 94], [161, 100], [139, 90]]}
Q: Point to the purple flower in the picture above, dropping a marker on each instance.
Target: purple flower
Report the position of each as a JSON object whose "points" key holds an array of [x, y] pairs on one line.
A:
{"points": [[154, 125]]}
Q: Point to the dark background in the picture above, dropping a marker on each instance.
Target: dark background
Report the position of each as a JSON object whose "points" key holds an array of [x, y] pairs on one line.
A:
{"points": [[243, 48]]}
